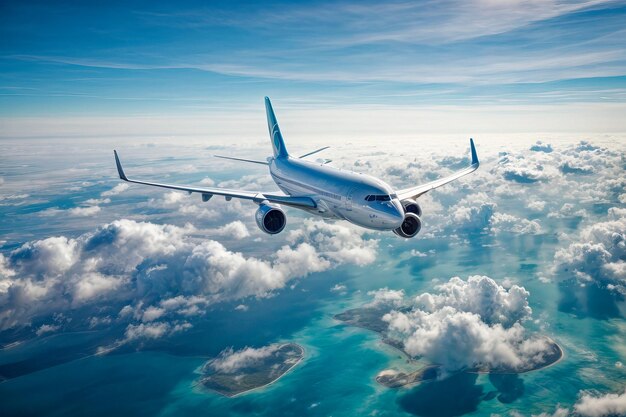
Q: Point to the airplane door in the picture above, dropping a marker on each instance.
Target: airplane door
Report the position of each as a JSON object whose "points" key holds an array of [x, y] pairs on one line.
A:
{"points": [[348, 200]]}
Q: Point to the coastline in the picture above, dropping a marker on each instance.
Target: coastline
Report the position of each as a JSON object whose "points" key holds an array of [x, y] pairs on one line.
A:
{"points": [[264, 385]]}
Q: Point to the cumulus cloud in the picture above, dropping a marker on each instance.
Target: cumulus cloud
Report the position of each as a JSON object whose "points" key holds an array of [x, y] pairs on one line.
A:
{"points": [[547, 165], [118, 189], [472, 214], [480, 295], [236, 230], [567, 210], [84, 211], [47, 328], [207, 182], [469, 324], [524, 170], [589, 404], [458, 340], [502, 222], [598, 405], [539, 146], [230, 361], [337, 242], [386, 297], [153, 330], [138, 262], [598, 255], [536, 205], [340, 289], [478, 213]]}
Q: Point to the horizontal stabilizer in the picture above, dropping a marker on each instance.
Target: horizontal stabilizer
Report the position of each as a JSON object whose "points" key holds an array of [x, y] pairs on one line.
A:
{"points": [[242, 160], [314, 152]]}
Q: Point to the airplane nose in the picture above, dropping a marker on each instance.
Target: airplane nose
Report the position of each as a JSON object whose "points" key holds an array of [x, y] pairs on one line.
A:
{"points": [[399, 214], [396, 214]]}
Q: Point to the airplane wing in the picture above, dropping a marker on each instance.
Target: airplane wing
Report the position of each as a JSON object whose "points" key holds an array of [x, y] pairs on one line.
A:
{"points": [[415, 192], [208, 192]]}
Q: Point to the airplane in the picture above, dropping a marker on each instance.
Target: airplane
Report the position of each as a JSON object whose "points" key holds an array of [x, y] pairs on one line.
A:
{"points": [[323, 190]]}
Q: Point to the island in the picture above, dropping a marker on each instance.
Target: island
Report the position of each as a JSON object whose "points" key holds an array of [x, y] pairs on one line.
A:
{"points": [[255, 374], [392, 378], [371, 318]]}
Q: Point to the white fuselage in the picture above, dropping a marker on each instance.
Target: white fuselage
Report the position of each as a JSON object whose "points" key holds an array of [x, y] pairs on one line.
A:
{"points": [[358, 198]]}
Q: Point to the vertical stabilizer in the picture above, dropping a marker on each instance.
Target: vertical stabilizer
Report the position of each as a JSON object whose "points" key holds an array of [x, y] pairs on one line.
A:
{"points": [[278, 145]]}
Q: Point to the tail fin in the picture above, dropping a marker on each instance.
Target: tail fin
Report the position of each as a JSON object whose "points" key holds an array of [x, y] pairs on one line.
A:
{"points": [[280, 151]]}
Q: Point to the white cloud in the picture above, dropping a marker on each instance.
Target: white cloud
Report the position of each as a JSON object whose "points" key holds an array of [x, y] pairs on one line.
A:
{"points": [[339, 288], [559, 412], [568, 210], [480, 295], [152, 330], [94, 284], [469, 323], [341, 243], [152, 313], [231, 361], [84, 211], [13, 196], [386, 297], [236, 230], [539, 146], [472, 214], [128, 261], [457, 339], [97, 201], [536, 205], [598, 254], [502, 222], [47, 257], [119, 188], [525, 169], [47, 328], [590, 405]]}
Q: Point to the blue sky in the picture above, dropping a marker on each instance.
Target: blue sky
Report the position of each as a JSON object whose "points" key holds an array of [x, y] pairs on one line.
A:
{"points": [[138, 59]]}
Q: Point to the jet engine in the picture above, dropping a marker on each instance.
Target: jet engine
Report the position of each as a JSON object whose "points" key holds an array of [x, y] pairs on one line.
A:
{"points": [[270, 218], [410, 226], [411, 206]]}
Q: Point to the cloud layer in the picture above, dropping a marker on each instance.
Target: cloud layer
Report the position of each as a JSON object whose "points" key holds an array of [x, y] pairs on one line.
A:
{"points": [[158, 270]]}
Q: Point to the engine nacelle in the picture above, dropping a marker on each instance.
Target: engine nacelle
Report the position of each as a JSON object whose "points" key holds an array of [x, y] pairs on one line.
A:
{"points": [[411, 206], [411, 226], [270, 218]]}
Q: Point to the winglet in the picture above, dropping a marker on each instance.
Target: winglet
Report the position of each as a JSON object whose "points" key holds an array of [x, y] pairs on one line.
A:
{"points": [[120, 170], [474, 154]]}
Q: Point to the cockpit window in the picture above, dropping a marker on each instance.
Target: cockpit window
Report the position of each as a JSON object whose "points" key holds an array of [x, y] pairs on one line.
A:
{"points": [[382, 197], [394, 196]]}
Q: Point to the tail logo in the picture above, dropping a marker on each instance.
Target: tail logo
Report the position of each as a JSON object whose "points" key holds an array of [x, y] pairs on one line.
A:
{"points": [[277, 144]]}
